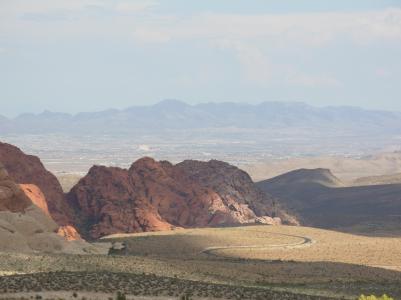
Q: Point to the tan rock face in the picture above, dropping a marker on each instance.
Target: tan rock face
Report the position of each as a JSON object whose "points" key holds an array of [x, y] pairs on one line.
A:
{"points": [[153, 195], [69, 233], [36, 196]]}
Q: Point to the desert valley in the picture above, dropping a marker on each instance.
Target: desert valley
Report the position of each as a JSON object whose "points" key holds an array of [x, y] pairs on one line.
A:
{"points": [[197, 229], [200, 150]]}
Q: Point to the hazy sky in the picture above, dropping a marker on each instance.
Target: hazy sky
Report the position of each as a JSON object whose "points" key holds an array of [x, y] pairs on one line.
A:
{"points": [[85, 55]]}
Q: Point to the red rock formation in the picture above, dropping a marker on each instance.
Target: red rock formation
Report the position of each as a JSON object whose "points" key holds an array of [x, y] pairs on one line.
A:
{"points": [[41, 186], [28, 169], [36, 196], [106, 203], [237, 189], [25, 227], [69, 233], [12, 198], [154, 195]]}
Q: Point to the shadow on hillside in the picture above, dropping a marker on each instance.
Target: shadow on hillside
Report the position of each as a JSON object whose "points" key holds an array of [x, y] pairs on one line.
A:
{"points": [[357, 224], [373, 210]]}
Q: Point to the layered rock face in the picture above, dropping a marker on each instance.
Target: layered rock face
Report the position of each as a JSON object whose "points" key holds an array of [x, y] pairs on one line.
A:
{"points": [[153, 195], [25, 227], [41, 186], [236, 189]]}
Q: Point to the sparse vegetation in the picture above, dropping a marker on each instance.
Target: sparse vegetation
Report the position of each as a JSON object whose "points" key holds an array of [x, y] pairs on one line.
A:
{"points": [[335, 265], [373, 297], [120, 296]]}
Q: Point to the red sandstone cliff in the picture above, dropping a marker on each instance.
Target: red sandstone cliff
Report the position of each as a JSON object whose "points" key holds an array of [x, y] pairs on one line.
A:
{"points": [[153, 195], [41, 186]]}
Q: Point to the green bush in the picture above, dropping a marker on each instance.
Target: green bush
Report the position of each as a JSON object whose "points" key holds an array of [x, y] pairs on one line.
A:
{"points": [[372, 297], [120, 296]]}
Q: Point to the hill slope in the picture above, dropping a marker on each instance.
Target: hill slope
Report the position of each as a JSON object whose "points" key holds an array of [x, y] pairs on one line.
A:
{"points": [[378, 180], [318, 176], [332, 206]]}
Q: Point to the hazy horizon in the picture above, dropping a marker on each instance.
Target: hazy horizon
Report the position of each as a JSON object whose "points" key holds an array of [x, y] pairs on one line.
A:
{"points": [[75, 112], [92, 55]]}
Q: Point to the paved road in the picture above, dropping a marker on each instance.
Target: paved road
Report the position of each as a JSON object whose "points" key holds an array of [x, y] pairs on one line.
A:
{"points": [[304, 242]]}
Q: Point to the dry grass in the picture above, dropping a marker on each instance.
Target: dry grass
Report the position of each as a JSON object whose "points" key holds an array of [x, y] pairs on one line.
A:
{"points": [[281, 258], [106, 283], [268, 243], [278, 255]]}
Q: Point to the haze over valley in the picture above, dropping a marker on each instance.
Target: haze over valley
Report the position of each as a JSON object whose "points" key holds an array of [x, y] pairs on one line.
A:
{"points": [[249, 136], [200, 150]]}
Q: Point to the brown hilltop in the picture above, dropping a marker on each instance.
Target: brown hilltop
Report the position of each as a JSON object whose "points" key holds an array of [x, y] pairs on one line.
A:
{"points": [[153, 195], [41, 186]]}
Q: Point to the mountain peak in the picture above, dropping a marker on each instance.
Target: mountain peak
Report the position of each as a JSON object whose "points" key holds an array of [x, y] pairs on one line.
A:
{"points": [[173, 103]]}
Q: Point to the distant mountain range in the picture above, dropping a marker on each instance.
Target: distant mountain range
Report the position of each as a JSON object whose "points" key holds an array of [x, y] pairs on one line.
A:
{"points": [[177, 115]]}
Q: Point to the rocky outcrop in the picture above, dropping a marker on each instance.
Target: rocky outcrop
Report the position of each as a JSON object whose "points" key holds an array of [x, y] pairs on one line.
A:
{"points": [[153, 195], [69, 233], [41, 186], [36, 196], [25, 227], [236, 189], [12, 198], [107, 201]]}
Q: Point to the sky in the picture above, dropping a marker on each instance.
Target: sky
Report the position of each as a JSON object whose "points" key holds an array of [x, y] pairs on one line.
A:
{"points": [[90, 55]]}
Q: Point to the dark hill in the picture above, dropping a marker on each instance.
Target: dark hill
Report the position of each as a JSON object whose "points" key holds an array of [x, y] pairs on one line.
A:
{"points": [[318, 199]]}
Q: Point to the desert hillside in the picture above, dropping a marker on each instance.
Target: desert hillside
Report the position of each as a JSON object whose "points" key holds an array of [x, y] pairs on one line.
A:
{"points": [[378, 180], [347, 169], [323, 201]]}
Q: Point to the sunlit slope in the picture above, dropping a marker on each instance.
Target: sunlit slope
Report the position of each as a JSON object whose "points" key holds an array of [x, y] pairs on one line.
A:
{"points": [[289, 243]]}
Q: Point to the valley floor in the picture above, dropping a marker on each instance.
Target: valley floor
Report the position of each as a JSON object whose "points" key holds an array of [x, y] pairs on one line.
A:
{"points": [[252, 262]]}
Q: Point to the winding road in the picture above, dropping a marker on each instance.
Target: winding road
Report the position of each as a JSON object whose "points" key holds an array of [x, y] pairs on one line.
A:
{"points": [[304, 242]]}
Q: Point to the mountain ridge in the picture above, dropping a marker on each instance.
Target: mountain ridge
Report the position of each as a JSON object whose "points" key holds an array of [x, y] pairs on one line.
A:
{"points": [[176, 115]]}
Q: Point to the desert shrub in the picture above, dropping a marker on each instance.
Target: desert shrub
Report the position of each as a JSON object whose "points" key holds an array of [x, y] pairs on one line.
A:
{"points": [[120, 296], [373, 297]]}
